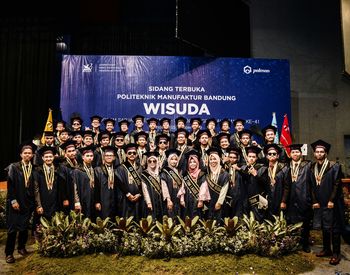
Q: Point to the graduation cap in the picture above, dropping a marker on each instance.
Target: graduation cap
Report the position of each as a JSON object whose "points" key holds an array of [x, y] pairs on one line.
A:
{"points": [[77, 133], [119, 134], [192, 152], [124, 121], [110, 148], [268, 147], [106, 120], [214, 150], [67, 144], [211, 120], [88, 133], [172, 151], [99, 118], [181, 131], [198, 119], [223, 135], [164, 119], [140, 134], [49, 133], [152, 119], [87, 149], [149, 154], [295, 147], [241, 120], [47, 149], [233, 150], [321, 143], [180, 118], [253, 149], [269, 128], [103, 135], [162, 136], [138, 117], [245, 132], [225, 120], [27, 145], [130, 146], [74, 118], [205, 132]]}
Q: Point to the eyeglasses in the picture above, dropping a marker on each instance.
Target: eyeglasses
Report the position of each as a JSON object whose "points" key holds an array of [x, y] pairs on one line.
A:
{"points": [[131, 153], [119, 139], [272, 154], [162, 142], [151, 161]]}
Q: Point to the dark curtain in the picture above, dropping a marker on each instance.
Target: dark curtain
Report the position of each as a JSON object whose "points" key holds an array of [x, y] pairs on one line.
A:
{"points": [[27, 65]]}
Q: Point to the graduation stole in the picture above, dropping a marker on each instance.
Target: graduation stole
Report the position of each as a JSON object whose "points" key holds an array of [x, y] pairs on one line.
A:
{"points": [[294, 169], [151, 181], [319, 174], [27, 172], [90, 173], [49, 176], [236, 137], [133, 173], [213, 185], [191, 185], [175, 176]]}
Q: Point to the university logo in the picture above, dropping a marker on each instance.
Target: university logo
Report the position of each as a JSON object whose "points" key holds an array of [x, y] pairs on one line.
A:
{"points": [[247, 69], [87, 68]]}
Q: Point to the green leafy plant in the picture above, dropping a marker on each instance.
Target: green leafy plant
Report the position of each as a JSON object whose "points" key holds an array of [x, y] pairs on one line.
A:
{"points": [[146, 225], [126, 225], [168, 228], [188, 225], [231, 226]]}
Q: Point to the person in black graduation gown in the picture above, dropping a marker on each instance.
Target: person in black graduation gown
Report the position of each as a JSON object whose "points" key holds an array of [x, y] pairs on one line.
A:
{"points": [[119, 142], [230, 198], [20, 201], [299, 203], [327, 200], [104, 139], [269, 133], [152, 187], [131, 184], [254, 187], [210, 189], [50, 188], [181, 143], [165, 130], [189, 191], [84, 180], [171, 177], [106, 191], [276, 174]]}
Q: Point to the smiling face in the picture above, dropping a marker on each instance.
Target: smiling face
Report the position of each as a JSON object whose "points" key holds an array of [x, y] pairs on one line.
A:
{"points": [[295, 155], [270, 136], [174, 160], [213, 160], [48, 158]]}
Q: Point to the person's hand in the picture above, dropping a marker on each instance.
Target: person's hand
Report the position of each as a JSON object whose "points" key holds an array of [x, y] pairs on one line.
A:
{"points": [[131, 197], [217, 206], [330, 205], [149, 206], [252, 171], [170, 205], [77, 207], [40, 210], [283, 205], [98, 206], [15, 206], [136, 197], [182, 203], [66, 203], [316, 206], [200, 204]]}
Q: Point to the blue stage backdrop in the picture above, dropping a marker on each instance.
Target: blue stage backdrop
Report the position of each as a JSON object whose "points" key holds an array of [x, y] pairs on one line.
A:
{"points": [[169, 86]]}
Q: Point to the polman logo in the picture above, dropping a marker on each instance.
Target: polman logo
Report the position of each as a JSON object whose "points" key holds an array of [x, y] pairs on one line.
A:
{"points": [[87, 68], [247, 69]]}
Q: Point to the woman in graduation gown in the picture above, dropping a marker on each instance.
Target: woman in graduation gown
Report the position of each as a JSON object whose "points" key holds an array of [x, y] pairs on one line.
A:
{"points": [[189, 192], [173, 180], [210, 189], [20, 201], [152, 187]]}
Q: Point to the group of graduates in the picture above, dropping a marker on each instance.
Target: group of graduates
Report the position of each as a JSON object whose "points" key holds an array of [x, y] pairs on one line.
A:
{"points": [[199, 172]]}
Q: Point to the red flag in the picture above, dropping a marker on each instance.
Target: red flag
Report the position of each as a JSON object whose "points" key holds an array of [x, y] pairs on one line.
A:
{"points": [[286, 138]]}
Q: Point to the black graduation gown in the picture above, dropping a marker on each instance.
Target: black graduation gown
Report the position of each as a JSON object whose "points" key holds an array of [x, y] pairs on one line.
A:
{"points": [[155, 194], [67, 171], [233, 203], [173, 187], [277, 192], [251, 187], [104, 195], [50, 200], [214, 191], [129, 208], [329, 190], [191, 200], [18, 220], [85, 193], [299, 208]]}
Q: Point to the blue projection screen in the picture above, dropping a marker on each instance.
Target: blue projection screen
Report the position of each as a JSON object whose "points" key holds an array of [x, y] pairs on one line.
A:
{"points": [[169, 86]]}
